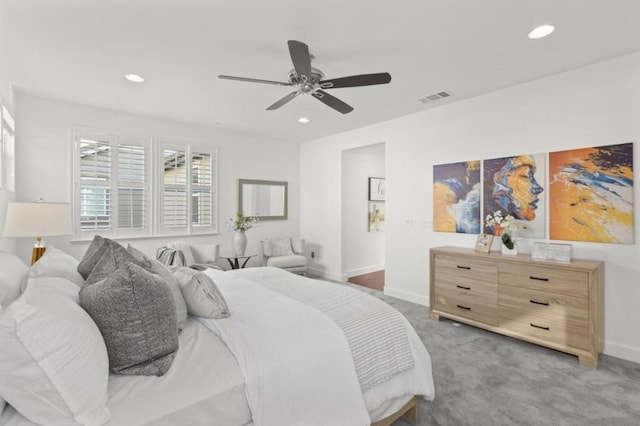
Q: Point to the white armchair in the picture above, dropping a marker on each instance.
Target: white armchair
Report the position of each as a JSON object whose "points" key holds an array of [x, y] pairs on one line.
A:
{"points": [[284, 253], [195, 256]]}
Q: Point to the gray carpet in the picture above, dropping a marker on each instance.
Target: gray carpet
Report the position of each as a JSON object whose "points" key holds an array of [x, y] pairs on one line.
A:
{"points": [[482, 378]]}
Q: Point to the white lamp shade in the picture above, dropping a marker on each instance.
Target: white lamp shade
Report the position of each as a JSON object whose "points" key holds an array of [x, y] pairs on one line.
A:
{"points": [[37, 220]]}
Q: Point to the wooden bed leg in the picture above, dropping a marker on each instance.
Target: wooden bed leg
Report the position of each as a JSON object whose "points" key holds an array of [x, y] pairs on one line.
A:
{"points": [[412, 414]]}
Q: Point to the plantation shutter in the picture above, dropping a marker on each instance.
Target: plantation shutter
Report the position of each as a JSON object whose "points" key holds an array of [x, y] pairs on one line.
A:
{"points": [[95, 184], [112, 186], [201, 189], [132, 179], [174, 191]]}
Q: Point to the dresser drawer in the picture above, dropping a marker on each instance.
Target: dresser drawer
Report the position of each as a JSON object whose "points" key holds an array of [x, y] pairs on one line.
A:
{"points": [[557, 307], [559, 281], [467, 306], [568, 332], [462, 270]]}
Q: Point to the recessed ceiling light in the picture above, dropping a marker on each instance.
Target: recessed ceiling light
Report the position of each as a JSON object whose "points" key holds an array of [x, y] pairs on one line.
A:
{"points": [[134, 78], [541, 31], [303, 120]]}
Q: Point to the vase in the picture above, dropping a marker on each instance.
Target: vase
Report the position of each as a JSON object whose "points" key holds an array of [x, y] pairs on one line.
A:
{"points": [[506, 250], [239, 243]]}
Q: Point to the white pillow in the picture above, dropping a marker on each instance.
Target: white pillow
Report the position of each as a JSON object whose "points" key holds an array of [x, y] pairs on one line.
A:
{"points": [[57, 263], [54, 367], [281, 247], [201, 293], [186, 251], [13, 272]]}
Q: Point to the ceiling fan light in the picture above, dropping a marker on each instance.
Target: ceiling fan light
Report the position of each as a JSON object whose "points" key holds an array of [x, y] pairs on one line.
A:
{"points": [[134, 78], [541, 31], [303, 120]]}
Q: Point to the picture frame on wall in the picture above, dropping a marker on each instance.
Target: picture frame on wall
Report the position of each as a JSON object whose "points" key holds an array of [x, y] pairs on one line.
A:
{"points": [[483, 243], [376, 189]]}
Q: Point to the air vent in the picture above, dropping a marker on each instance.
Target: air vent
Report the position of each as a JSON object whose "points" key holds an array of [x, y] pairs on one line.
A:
{"points": [[435, 97]]}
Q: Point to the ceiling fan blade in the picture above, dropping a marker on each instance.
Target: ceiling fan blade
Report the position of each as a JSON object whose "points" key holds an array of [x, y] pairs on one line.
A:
{"points": [[300, 57], [332, 101], [283, 101], [253, 80], [356, 80]]}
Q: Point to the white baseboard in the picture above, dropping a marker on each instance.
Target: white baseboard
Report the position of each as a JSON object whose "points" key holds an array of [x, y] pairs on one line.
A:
{"points": [[622, 351], [328, 275], [406, 295], [365, 270]]}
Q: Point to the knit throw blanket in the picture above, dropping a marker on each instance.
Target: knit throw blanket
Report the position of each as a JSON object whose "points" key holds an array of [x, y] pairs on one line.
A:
{"points": [[375, 331]]}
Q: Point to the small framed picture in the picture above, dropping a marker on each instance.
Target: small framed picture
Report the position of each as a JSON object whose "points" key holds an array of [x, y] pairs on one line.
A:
{"points": [[376, 189], [483, 243]]}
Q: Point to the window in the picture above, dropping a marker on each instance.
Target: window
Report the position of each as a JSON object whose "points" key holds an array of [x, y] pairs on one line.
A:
{"points": [[187, 204], [111, 182], [7, 151], [120, 192]]}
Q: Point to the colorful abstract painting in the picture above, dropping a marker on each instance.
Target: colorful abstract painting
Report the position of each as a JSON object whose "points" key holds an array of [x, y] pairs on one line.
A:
{"points": [[591, 194], [456, 197], [514, 185]]}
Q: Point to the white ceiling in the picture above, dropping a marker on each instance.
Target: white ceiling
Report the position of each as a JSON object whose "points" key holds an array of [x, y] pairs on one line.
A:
{"points": [[79, 50]]}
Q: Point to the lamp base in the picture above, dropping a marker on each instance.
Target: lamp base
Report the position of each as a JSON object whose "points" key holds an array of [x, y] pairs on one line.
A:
{"points": [[37, 254]]}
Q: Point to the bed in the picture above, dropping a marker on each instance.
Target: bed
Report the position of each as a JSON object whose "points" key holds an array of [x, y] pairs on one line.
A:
{"points": [[293, 351]]}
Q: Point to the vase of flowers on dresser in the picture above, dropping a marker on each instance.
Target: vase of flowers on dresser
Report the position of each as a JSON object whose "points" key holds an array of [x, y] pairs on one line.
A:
{"points": [[239, 225], [505, 227]]}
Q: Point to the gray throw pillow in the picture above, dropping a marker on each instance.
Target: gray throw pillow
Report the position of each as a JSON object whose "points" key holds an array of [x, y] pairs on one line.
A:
{"points": [[136, 315], [92, 255], [281, 247], [201, 293], [113, 257], [158, 268]]}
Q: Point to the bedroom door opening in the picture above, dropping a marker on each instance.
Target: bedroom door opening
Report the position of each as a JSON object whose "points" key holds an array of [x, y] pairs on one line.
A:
{"points": [[363, 238]]}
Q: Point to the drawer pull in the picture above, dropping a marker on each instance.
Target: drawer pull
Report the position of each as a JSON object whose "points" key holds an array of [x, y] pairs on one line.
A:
{"points": [[531, 277], [463, 267], [539, 326], [464, 307], [463, 287], [539, 303]]}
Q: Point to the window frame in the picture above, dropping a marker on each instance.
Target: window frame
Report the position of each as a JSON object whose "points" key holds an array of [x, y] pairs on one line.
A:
{"points": [[154, 175]]}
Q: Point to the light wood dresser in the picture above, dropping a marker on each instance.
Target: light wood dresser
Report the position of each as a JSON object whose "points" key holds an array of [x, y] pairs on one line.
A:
{"points": [[558, 305]]}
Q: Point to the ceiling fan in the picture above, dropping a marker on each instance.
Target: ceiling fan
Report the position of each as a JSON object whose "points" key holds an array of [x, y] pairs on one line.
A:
{"points": [[306, 80]]}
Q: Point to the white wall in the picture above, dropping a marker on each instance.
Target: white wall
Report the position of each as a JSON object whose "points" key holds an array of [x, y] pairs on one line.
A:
{"points": [[362, 251], [591, 106], [44, 167]]}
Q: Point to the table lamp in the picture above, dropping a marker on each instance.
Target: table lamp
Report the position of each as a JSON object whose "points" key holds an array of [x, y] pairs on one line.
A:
{"points": [[39, 219]]}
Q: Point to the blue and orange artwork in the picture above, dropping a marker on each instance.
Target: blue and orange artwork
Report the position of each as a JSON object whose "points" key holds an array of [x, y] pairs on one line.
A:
{"points": [[456, 197], [591, 194], [514, 186]]}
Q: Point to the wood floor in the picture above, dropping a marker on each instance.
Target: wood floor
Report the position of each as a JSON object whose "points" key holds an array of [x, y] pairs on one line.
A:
{"points": [[374, 280]]}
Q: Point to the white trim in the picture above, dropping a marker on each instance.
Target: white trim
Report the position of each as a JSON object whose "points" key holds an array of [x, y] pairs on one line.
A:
{"points": [[328, 275], [407, 296], [365, 270], [618, 350]]}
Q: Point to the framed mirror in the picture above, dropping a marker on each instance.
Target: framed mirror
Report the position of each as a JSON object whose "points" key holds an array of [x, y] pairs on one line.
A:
{"points": [[264, 199]]}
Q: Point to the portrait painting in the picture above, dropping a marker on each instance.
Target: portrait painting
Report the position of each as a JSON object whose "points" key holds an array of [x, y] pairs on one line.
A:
{"points": [[376, 217], [591, 194], [456, 197], [514, 186]]}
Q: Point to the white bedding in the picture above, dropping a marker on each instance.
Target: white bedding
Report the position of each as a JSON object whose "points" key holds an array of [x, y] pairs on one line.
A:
{"points": [[259, 304], [203, 386], [206, 385]]}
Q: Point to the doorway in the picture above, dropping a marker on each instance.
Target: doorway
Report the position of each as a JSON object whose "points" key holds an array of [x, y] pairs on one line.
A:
{"points": [[363, 239]]}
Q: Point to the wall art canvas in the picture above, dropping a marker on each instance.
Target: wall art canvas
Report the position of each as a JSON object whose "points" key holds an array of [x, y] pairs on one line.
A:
{"points": [[456, 197], [515, 185], [376, 217], [591, 194]]}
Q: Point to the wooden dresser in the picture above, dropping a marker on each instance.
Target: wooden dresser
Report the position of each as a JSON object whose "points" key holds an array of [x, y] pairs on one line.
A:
{"points": [[558, 305]]}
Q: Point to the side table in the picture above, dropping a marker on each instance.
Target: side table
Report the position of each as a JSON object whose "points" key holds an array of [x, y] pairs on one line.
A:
{"points": [[237, 262]]}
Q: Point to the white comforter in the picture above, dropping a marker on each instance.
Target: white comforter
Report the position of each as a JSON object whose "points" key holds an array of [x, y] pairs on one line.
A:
{"points": [[297, 361]]}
